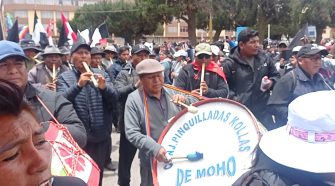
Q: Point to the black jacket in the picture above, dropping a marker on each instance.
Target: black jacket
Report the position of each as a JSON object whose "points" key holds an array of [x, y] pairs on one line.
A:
{"points": [[267, 172], [245, 82], [292, 85], [60, 107], [217, 86], [91, 104]]}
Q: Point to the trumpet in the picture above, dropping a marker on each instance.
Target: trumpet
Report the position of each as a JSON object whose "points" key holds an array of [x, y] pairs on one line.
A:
{"points": [[95, 82]]}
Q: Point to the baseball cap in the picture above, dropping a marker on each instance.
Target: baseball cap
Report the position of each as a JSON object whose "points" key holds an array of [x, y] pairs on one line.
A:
{"points": [[310, 49], [139, 48], [10, 49], [203, 48]]}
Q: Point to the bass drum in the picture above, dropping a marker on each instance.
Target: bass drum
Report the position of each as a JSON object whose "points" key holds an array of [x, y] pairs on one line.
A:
{"points": [[212, 147]]}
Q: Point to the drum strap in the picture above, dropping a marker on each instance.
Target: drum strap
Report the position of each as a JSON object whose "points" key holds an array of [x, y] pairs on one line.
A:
{"points": [[146, 112], [46, 108]]}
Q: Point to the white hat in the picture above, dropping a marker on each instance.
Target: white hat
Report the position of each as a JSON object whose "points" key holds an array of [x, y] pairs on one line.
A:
{"points": [[180, 53], [307, 142], [215, 50], [296, 49]]}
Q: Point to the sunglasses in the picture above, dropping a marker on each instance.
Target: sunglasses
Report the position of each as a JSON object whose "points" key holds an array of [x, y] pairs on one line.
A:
{"points": [[202, 56]]}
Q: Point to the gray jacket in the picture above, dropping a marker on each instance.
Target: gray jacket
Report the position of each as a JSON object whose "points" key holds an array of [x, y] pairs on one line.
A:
{"points": [[135, 125], [125, 84], [39, 76], [60, 107]]}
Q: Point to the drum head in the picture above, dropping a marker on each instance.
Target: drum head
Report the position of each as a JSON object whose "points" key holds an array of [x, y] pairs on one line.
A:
{"points": [[223, 131]]}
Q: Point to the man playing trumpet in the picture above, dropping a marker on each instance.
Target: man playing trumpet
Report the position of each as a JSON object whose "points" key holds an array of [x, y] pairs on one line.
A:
{"points": [[91, 92]]}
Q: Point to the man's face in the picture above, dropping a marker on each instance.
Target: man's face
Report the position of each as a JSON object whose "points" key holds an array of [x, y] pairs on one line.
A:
{"points": [[109, 55], [25, 155], [80, 56], [124, 56], [96, 60], [251, 47], [203, 58], [31, 53], [137, 58], [51, 59], [152, 83], [13, 69], [311, 64]]}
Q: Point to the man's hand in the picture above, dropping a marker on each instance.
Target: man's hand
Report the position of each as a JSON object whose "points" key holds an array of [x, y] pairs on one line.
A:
{"points": [[84, 78], [101, 81], [178, 98], [160, 156], [51, 86], [204, 87]]}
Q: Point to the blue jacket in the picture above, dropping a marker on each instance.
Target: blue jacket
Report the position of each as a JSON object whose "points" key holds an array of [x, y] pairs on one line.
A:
{"points": [[91, 104], [115, 68]]}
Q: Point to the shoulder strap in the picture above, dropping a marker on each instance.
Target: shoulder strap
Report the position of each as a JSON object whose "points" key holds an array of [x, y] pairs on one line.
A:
{"points": [[46, 108], [294, 80]]}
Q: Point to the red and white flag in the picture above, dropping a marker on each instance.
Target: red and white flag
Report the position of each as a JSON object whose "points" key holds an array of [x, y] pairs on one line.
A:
{"points": [[72, 37], [49, 31]]}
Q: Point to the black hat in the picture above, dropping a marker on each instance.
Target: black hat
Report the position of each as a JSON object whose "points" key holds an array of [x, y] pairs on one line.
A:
{"points": [[96, 50], [139, 48], [310, 49], [29, 44], [80, 43]]}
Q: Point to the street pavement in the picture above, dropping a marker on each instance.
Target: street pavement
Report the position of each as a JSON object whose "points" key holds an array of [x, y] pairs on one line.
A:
{"points": [[110, 177]]}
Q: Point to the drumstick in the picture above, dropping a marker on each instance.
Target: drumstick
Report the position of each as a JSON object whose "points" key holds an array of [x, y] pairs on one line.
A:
{"points": [[191, 157], [53, 72], [202, 76], [190, 108], [95, 82]]}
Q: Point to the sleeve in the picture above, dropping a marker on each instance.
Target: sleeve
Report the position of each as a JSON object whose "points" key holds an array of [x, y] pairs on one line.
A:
{"points": [[132, 121], [229, 72], [273, 75], [122, 85], [280, 98], [181, 79], [221, 91], [68, 91], [109, 93], [66, 115]]}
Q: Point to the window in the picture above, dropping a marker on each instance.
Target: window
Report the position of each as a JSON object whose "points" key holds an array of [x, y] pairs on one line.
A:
{"points": [[20, 13], [172, 29], [47, 14], [183, 29]]}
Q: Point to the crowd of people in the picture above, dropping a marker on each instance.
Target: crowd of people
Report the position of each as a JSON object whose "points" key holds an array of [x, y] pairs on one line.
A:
{"points": [[136, 90]]}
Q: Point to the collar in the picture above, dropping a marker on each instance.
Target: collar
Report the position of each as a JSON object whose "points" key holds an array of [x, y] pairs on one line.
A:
{"points": [[162, 94], [304, 76]]}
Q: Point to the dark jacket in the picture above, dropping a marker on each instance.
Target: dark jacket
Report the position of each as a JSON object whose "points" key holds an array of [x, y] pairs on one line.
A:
{"points": [[60, 107], [267, 172], [217, 87], [125, 84], [91, 104], [115, 68], [245, 81], [67, 180], [292, 85], [39, 76]]}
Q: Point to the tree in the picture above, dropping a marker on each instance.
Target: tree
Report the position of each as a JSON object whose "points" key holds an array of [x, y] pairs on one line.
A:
{"points": [[128, 20]]}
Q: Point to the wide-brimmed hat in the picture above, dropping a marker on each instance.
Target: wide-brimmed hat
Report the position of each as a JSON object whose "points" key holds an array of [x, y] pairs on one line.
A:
{"points": [[10, 49], [27, 44], [203, 48], [311, 49], [111, 48], [96, 50], [149, 66], [51, 50], [307, 142]]}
